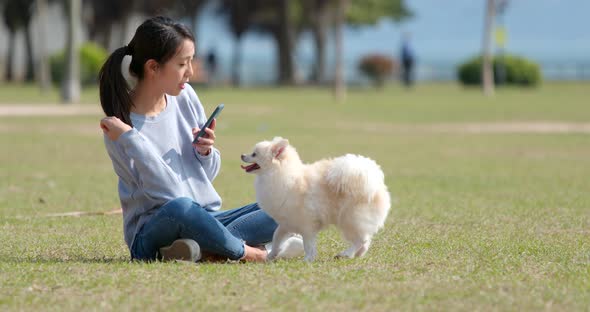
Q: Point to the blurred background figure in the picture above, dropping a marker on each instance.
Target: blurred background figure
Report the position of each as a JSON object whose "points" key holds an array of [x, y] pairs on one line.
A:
{"points": [[408, 60], [212, 66]]}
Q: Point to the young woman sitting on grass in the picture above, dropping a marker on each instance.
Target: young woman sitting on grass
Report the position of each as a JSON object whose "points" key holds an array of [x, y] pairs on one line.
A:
{"points": [[170, 207]]}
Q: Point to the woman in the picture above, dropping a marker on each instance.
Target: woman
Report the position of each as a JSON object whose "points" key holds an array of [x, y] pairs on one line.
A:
{"points": [[170, 208]]}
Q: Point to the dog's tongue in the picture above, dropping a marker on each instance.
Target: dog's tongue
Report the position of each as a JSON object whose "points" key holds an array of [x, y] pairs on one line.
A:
{"points": [[251, 167]]}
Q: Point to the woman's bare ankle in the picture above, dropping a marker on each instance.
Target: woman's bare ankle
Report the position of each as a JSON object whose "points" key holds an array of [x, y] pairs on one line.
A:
{"points": [[254, 254]]}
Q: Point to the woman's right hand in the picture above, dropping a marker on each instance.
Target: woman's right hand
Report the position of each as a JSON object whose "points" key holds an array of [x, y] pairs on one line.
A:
{"points": [[113, 127]]}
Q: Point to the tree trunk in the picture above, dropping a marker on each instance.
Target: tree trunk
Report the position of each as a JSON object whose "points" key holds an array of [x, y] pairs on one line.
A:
{"points": [[10, 56], [30, 63], [487, 71], [285, 45], [237, 61], [319, 30], [339, 85], [43, 74], [71, 83]]}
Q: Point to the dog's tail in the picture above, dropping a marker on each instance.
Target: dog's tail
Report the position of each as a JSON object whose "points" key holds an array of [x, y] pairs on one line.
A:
{"points": [[355, 176]]}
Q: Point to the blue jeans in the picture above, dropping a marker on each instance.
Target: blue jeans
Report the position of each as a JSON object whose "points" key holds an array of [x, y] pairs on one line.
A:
{"points": [[218, 232]]}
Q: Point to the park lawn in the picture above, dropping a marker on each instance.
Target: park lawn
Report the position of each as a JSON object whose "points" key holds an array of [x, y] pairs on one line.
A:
{"points": [[16, 93], [480, 221]]}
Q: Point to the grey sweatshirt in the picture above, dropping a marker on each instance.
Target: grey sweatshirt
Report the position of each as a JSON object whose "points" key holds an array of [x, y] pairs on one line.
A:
{"points": [[156, 162]]}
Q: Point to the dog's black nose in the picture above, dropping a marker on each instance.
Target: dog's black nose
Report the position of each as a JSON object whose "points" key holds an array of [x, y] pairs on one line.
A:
{"points": [[242, 157]]}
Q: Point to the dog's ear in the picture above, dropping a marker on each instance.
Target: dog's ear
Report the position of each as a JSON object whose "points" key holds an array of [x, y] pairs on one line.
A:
{"points": [[277, 139], [278, 146]]}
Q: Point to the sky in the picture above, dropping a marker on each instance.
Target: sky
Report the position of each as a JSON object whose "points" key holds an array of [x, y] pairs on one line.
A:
{"points": [[542, 29]]}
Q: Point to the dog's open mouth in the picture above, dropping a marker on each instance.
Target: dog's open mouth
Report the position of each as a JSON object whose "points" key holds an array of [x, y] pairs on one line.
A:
{"points": [[250, 167]]}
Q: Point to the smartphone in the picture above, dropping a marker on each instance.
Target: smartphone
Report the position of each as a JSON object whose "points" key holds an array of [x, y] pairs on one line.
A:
{"points": [[208, 123]]}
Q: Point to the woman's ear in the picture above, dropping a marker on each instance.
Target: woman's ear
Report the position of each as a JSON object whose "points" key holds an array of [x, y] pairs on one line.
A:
{"points": [[151, 67]]}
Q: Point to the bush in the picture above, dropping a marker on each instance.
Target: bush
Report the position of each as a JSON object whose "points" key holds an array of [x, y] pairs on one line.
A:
{"points": [[377, 68], [517, 71], [92, 56]]}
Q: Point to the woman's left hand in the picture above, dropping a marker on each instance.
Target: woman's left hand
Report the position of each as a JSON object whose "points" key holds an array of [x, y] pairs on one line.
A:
{"points": [[205, 142]]}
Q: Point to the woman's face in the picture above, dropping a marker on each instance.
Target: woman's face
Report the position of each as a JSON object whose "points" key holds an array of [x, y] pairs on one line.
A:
{"points": [[177, 71]]}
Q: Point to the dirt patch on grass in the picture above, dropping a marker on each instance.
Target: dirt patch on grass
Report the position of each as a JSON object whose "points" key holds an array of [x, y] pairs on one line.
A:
{"points": [[49, 110], [459, 127], [514, 127], [90, 129], [479, 127]]}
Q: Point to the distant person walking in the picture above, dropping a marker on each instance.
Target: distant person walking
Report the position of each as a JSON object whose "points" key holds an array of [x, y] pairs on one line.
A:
{"points": [[408, 62]]}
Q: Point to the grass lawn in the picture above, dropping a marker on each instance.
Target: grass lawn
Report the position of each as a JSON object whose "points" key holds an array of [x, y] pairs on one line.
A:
{"points": [[481, 220]]}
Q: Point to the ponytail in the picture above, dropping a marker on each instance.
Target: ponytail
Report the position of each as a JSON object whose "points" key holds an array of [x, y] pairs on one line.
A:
{"points": [[114, 90], [157, 38]]}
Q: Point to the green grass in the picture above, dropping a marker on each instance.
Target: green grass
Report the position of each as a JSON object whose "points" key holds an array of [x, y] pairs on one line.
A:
{"points": [[13, 94], [489, 221]]}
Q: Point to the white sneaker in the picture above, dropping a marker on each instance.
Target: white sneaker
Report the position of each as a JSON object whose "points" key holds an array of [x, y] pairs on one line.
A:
{"points": [[181, 249], [292, 248]]}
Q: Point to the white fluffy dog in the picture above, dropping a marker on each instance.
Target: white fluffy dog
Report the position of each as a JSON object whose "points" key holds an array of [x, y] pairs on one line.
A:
{"points": [[347, 191]]}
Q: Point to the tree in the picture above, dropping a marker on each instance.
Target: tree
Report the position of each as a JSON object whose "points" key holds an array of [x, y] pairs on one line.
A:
{"points": [[317, 16], [17, 16], [105, 14], [369, 12], [11, 24], [274, 17], [284, 36], [43, 75], [487, 71], [280, 17], [361, 12], [339, 84], [238, 14], [71, 83], [175, 8], [27, 14]]}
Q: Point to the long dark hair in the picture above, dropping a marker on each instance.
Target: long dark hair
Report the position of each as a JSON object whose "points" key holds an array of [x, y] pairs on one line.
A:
{"points": [[158, 38]]}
